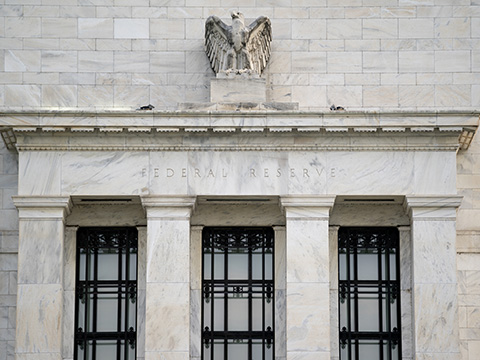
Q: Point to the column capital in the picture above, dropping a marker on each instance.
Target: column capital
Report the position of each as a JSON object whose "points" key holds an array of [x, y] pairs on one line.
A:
{"points": [[307, 206], [168, 206], [432, 207], [43, 207]]}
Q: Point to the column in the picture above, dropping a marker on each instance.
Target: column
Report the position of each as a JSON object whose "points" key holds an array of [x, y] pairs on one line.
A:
{"points": [[196, 292], [40, 276], [333, 243], [280, 293], [308, 276], [167, 324], [69, 270], [434, 295]]}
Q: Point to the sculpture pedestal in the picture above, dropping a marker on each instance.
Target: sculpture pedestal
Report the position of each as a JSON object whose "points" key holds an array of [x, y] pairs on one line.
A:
{"points": [[235, 88]]}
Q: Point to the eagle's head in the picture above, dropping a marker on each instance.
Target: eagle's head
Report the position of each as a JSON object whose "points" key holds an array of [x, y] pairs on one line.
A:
{"points": [[237, 15]]}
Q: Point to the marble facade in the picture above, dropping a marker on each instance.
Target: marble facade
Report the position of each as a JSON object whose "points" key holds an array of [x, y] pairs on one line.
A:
{"points": [[170, 177], [237, 151]]}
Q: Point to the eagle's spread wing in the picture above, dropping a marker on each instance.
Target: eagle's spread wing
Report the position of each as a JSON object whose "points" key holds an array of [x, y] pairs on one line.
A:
{"points": [[217, 44], [259, 43]]}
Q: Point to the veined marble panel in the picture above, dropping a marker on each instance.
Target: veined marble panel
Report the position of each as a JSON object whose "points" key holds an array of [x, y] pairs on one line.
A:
{"points": [[168, 251], [308, 309], [40, 173], [434, 252], [68, 319], [102, 173], [435, 173], [39, 356], [307, 252], [39, 322], [195, 323], [40, 254], [436, 330], [238, 214], [167, 355], [369, 172], [167, 318]]}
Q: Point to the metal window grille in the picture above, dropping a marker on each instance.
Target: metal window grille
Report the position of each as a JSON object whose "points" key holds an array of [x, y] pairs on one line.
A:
{"points": [[369, 294], [238, 294], [106, 294]]}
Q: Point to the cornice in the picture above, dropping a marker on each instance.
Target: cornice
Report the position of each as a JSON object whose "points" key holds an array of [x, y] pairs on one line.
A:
{"points": [[363, 122], [251, 120]]}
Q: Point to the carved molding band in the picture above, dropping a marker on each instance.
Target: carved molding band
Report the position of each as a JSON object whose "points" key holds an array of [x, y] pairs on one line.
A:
{"points": [[235, 148]]}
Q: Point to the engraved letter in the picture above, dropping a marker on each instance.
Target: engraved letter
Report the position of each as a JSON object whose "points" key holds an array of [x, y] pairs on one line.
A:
{"points": [[184, 172], [279, 172], [144, 172], [170, 172], [224, 173], [197, 173], [333, 172], [305, 173], [210, 173], [292, 172], [319, 172], [252, 173], [156, 172], [265, 172]]}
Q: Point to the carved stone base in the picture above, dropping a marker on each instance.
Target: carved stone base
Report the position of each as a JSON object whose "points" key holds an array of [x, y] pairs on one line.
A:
{"points": [[238, 88]]}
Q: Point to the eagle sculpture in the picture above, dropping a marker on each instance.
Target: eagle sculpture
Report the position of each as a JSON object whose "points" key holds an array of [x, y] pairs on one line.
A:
{"points": [[238, 48]]}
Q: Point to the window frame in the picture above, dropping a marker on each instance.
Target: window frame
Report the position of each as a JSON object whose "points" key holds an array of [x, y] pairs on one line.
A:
{"points": [[126, 287], [390, 288], [267, 334]]}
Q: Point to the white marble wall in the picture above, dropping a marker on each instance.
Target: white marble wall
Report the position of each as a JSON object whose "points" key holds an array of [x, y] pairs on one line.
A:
{"points": [[468, 249], [97, 54]]}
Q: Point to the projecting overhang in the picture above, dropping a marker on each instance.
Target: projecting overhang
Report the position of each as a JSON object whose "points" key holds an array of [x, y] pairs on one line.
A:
{"points": [[245, 120]]}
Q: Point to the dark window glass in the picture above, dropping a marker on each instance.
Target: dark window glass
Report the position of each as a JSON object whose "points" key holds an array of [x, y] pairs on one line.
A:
{"points": [[369, 294], [238, 294], [106, 294]]}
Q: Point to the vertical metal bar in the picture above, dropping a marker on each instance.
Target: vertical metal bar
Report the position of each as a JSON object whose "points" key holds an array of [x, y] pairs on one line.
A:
{"points": [[77, 300], [399, 291], [356, 285], [388, 295], [119, 298], [225, 309], [202, 341], [380, 289], [348, 294], [250, 294], [127, 292], [95, 299]]}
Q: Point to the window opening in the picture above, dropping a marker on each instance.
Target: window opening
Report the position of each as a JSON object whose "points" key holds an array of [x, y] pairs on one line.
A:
{"points": [[238, 294], [106, 294], [369, 293]]}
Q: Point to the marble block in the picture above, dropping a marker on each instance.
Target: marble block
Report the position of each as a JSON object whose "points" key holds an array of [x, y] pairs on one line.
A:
{"points": [[238, 89]]}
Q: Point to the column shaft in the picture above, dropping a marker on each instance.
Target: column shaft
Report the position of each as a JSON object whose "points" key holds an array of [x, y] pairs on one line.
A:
{"points": [[434, 286], [308, 276], [167, 323], [40, 277]]}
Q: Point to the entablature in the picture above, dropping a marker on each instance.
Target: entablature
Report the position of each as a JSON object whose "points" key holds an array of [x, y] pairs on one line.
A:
{"points": [[368, 124]]}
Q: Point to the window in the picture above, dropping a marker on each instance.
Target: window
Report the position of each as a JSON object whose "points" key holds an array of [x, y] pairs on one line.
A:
{"points": [[369, 294], [238, 294], [106, 294]]}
